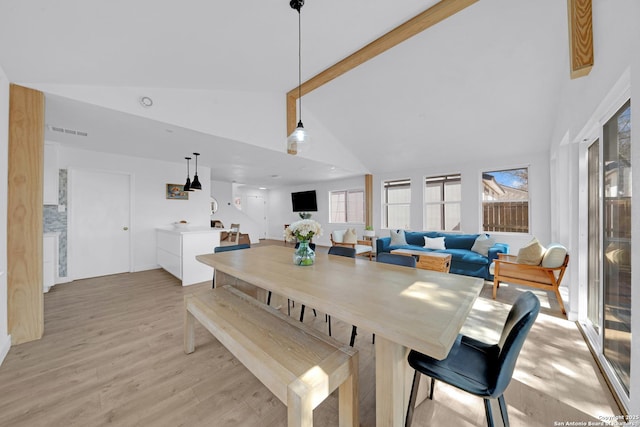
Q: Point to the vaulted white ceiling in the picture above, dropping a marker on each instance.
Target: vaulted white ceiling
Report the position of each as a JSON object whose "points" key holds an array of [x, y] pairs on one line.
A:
{"points": [[481, 83]]}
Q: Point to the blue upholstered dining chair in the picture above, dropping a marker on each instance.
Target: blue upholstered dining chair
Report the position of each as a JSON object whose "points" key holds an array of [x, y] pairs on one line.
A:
{"points": [[339, 251], [481, 369], [342, 251], [387, 258], [228, 248], [407, 261], [231, 247]]}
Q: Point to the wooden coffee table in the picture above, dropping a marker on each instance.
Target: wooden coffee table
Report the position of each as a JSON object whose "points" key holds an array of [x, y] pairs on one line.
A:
{"points": [[435, 261]]}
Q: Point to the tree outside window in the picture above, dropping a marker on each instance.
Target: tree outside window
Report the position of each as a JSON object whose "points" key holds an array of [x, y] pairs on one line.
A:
{"points": [[396, 204], [346, 206], [442, 196], [505, 200]]}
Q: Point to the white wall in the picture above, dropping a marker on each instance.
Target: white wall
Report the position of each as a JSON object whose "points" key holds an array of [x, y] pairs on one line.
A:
{"points": [[616, 46], [280, 211], [151, 208], [5, 339], [227, 212]]}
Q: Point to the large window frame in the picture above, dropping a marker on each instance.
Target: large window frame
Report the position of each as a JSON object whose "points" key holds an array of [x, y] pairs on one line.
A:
{"points": [[345, 208], [506, 201], [443, 202], [396, 204]]}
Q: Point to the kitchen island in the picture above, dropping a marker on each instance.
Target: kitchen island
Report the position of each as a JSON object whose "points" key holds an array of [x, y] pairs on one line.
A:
{"points": [[176, 250]]}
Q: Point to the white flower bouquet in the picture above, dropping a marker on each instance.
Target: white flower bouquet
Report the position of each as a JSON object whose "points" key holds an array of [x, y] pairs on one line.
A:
{"points": [[303, 230]]}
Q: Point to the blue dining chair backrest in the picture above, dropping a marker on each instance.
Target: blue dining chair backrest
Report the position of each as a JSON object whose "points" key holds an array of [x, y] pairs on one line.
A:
{"points": [[342, 251], [407, 261], [231, 247], [516, 328]]}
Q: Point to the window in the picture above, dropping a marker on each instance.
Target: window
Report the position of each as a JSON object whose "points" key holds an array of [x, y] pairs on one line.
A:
{"points": [[442, 197], [505, 200], [396, 203], [347, 206]]}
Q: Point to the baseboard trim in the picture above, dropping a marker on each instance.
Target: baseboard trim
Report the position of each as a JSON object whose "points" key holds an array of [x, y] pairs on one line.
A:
{"points": [[145, 267], [4, 348]]}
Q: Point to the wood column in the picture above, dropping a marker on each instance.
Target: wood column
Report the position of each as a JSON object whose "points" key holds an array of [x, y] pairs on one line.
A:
{"points": [[25, 301], [580, 37], [368, 200]]}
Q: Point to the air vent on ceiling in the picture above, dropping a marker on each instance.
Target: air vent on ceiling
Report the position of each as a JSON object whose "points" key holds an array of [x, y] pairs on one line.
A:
{"points": [[67, 131]]}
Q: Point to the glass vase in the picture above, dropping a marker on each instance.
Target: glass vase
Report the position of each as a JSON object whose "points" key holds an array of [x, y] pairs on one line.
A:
{"points": [[303, 254]]}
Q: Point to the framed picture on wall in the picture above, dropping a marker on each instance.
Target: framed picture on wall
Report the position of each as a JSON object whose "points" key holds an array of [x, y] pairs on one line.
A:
{"points": [[174, 192]]}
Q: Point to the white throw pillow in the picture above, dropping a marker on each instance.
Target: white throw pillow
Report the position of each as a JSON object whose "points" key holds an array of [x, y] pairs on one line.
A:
{"points": [[482, 244], [554, 256], [350, 236], [397, 238], [434, 243], [338, 235], [531, 253]]}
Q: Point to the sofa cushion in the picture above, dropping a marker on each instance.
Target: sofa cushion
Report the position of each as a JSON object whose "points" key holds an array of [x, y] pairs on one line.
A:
{"points": [[460, 241], [417, 237], [531, 253], [362, 249], [554, 256], [397, 238], [434, 242], [482, 244], [466, 256], [338, 235], [350, 236]]}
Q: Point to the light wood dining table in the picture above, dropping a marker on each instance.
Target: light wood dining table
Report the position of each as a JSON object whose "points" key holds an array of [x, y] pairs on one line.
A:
{"points": [[406, 308]]}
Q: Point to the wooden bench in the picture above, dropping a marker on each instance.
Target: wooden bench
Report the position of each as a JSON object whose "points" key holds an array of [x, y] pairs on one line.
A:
{"points": [[298, 364]]}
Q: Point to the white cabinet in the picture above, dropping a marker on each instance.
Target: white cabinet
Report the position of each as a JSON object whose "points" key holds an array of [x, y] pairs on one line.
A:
{"points": [[50, 188], [49, 260], [176, 252]]}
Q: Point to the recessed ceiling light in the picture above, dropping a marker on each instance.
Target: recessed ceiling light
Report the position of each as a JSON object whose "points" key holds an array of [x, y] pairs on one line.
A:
{"points": [[145, 101], [262, 188]]}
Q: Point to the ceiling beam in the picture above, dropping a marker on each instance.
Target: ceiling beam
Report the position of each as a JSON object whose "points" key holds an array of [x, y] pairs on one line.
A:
{"points": [[580, 37], [435, 14]]}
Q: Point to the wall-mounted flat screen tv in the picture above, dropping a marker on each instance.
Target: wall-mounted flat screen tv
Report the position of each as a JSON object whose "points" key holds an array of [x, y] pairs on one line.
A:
{"points": [[304, 201]]}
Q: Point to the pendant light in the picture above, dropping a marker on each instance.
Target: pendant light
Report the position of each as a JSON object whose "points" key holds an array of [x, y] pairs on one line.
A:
{"points": [[187, 185], [196, 182], [299, 138]]}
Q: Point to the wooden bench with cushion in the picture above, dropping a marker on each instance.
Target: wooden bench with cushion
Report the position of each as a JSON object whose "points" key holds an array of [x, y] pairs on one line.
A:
{"points": [[298, 364]]}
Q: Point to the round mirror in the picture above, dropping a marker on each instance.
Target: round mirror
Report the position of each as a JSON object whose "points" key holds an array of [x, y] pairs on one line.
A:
{"points": [[214, 206]]}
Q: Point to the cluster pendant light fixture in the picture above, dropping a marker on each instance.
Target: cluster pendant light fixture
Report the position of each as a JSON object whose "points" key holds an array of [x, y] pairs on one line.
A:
{"points": [[195, 185], [299, 138]]}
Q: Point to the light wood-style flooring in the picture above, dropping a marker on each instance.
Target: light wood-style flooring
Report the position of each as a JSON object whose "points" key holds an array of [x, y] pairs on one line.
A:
{"points": [[112, 354]]}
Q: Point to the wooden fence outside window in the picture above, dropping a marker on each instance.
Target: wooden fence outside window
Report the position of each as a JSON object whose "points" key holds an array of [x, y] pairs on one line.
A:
{"points": [[510, 217]]}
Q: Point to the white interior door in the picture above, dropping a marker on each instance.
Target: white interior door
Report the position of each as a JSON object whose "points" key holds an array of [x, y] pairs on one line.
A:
{"points": [[99, 223], [256, 209]]}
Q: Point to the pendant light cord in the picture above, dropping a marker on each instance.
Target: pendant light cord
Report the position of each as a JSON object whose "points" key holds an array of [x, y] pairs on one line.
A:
{"points": [[300, 65]]}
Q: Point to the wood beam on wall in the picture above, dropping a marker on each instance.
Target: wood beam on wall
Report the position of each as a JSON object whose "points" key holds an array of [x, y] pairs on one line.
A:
{"points": [[25, 301], [580, 37], [368, 199], [428, 18]]}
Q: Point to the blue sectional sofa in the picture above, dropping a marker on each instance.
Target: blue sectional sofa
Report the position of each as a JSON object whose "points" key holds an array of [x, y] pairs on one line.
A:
{"points": [[463, 259]]}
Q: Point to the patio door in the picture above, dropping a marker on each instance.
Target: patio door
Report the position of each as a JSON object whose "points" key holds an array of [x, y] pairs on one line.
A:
{"points": [[609, 249]]}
